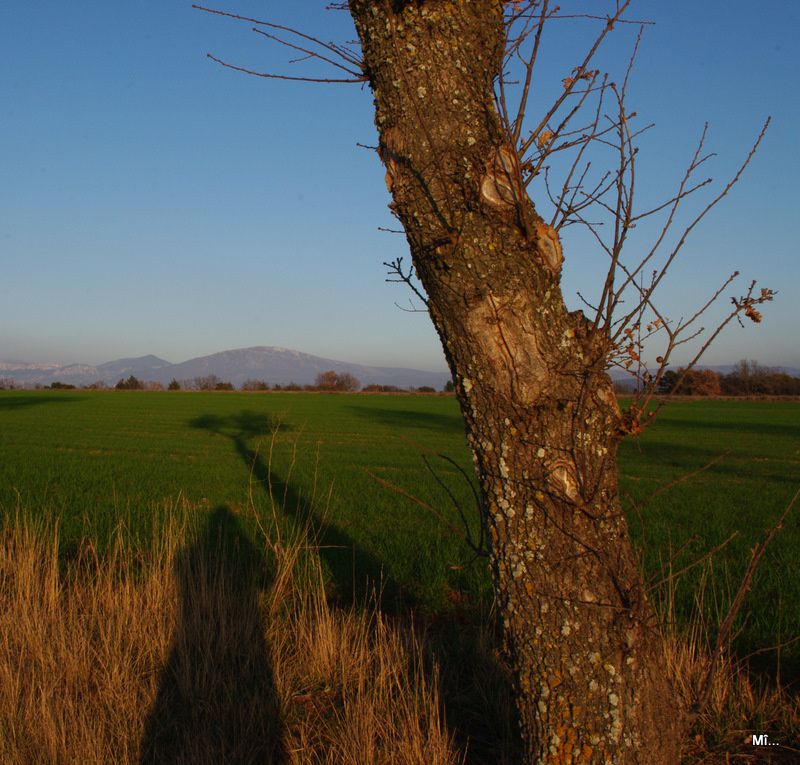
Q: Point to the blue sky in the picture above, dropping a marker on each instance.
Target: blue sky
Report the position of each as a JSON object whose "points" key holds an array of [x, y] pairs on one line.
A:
{"points": [[154, 202]]}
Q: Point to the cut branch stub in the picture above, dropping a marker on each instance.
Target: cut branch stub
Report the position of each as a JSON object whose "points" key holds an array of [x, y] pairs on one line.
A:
{"points": [[502, 189], [500, 185], [549, 246], [390, 152]]}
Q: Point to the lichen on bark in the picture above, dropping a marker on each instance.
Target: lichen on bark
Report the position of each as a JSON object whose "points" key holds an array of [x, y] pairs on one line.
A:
{"points": [[541, 417]]}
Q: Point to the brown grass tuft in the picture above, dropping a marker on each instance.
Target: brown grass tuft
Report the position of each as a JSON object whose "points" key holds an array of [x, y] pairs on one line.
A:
{"points": [[203, 650], [739, 704]]}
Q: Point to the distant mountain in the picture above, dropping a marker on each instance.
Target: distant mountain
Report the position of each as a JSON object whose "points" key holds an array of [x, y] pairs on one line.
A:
{"points": [[143, 367], [270, 364], [21, 366], [32, 374], [282, 366], [82, 374]]}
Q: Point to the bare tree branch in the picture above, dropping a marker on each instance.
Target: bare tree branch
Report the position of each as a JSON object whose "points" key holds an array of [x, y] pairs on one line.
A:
{"points": [[353, 64], [396, 274]]}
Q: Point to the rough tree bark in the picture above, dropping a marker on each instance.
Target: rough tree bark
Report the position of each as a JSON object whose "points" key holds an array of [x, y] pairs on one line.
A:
{"points": [[542, 419]]}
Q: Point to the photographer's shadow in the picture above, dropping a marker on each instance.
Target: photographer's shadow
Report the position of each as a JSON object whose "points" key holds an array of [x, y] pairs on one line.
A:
{"points": [[216, 701]]}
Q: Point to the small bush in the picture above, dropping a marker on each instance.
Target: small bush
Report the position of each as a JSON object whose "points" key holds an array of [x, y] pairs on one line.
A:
{"points": [[331, 380], [130, 384], [289, 386], [206, 382], [699, 382]]}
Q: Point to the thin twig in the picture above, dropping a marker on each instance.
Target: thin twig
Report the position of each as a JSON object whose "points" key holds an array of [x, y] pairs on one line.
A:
{"points": [[338, 50], [395, 269], [686, 477], [696, 562], [477, 548], [421, 502], [271, 76]]}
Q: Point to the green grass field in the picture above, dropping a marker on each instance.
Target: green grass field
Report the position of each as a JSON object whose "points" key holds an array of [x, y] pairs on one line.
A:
{"points": [[95, 459]]}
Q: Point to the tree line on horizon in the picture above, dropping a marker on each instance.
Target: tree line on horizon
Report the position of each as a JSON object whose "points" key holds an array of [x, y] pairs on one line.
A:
{"points": [[328, 381], [747, 378]]}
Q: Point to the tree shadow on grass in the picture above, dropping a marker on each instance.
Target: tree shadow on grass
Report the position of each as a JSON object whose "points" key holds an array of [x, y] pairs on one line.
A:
{"points": [[409, 418], [241, 426], [20, 402], [356, 572], [216, 700], [736, 427], [469, 672], [739, 464]]}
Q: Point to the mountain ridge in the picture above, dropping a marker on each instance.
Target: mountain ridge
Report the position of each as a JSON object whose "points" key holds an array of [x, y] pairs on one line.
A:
{"points": [[274, 365]]}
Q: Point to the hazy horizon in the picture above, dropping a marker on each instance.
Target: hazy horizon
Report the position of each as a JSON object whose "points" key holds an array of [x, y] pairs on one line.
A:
{"points": [[437, 370], [123, 356]]}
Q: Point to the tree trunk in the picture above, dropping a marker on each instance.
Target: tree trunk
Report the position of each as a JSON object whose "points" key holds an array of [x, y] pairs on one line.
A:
{"points": [[541, 416]]}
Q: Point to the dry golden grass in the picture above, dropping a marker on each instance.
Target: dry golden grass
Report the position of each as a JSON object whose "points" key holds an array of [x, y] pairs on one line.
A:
{"points": [[206, 649], [738, 705], [190, 654]]}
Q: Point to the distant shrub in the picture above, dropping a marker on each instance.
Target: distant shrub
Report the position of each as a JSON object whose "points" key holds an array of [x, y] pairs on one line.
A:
{"points": [[59, 386], [206, 382], [326, 380], [289, 386], [153, 385], [98, 385], [173, 385], [750, 378], [348, 382], [6, 383], [331, 380], [699, 382], [224, 386], [254, 385], [781, 384], [426, 389], [624, 385], [667, 382], [373, 388], [449, 387], [131, 383]]}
